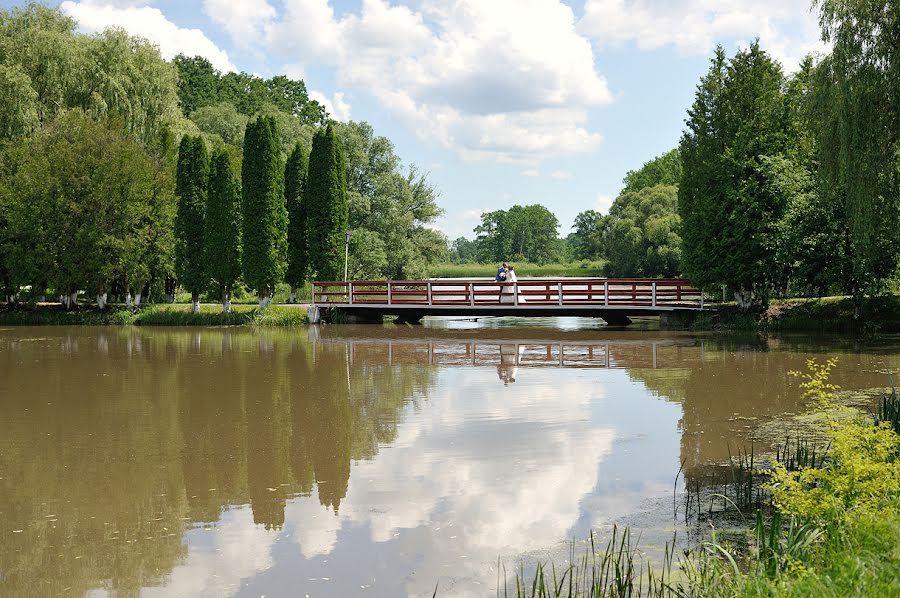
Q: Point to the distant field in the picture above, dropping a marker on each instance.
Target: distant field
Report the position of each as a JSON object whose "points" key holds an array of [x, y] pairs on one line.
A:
{"points": [[522, 269]]}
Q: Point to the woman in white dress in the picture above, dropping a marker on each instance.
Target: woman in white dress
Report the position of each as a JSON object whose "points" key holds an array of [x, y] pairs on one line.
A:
{"points": [[507, 295]]}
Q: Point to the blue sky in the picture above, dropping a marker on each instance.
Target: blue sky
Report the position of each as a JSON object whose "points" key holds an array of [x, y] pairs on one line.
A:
{"points": [[503, 102]]}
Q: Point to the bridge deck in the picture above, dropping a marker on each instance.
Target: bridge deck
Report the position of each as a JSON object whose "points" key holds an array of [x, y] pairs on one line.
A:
{"points": [[528, 297]]}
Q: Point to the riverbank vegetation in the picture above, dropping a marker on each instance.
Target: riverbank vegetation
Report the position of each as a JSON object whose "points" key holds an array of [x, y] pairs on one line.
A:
{"points": [[152, 315], [828, 526]]}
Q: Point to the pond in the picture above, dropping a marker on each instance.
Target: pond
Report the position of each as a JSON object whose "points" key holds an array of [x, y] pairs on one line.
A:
{"points": [[364, 460]]}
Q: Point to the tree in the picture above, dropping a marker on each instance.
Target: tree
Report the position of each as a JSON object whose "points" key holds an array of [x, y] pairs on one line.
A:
{"points": [[327, 206], [191, 180], [222, 234], [728, 212], [857, 125], [294, 182], [639, 235], [520, 233], [397, 204], [661, 170], [265, 214], [586, 239], [77, 199], [463, 251]]}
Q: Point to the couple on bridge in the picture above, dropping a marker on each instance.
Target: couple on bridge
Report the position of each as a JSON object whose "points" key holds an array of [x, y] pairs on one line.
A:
{"points": [[507, 274]]}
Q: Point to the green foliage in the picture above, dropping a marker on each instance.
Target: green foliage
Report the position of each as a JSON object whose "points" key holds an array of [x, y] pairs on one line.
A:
{"points": [[587, 239], [519, 233], [222, 120], [394, 205], [294, 182], [727, 209], [661, 170], [47, 68], [327, 206], [222, 234], [523, 269], [201, 85], [640, 235], [264, 211], [81, 203], [856, 107], [191, 181], [463, 251]]}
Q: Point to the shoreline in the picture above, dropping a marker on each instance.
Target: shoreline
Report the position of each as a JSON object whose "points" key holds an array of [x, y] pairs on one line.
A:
{"points": [[875, 315]]}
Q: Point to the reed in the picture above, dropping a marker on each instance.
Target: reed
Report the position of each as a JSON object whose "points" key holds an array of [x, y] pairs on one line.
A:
{"points": [[617, 569], [889, 409], [801, 453]]}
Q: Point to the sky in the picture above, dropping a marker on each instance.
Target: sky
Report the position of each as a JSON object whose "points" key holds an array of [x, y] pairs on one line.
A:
{"points": [[502, 102]]}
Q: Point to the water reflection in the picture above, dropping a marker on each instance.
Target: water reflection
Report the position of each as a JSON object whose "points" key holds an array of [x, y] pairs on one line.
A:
{"points": [[221, 462]]}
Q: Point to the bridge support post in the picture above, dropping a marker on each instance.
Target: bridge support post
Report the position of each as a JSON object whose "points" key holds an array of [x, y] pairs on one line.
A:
{"points": [[615, 319]]}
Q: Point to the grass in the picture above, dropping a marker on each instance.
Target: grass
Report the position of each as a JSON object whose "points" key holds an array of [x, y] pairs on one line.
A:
{"points": [[831, 525], [581, 269], [153, 315]]}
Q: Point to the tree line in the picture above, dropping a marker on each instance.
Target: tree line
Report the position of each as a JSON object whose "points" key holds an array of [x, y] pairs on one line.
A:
{"points": [[782, 184], [127, 176]]}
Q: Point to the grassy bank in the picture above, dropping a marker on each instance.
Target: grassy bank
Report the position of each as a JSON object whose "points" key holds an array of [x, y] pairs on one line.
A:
{"points": [[829, 526], [830, 314], [152, 315], [449, 270]]}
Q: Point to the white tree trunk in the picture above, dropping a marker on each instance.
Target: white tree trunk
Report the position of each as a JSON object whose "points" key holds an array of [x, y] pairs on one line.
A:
{"points": [[64, 300], [195, 304], [73, 300], [293, 297], [168, 298], [101, 301], [226, 302], [744, 298], [264, 302], [128, 299], [137, 300]]}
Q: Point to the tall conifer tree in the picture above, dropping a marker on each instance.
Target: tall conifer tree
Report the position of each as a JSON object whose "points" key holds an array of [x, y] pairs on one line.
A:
{"points": [[223, 226], [327, 206], [727, 209], [265, 215], [191, 179], [294, 181]]}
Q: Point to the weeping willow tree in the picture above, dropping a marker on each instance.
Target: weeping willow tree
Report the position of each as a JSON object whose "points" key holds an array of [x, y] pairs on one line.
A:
{"points": [[857, 100]]}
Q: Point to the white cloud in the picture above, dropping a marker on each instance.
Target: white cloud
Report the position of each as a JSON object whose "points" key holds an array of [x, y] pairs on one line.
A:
{"points": [[603, 203], [786, 28], [244, 20], [510, 80], [238, 550], [336, 106], [561, 174], [532, 172], [94, 16]]}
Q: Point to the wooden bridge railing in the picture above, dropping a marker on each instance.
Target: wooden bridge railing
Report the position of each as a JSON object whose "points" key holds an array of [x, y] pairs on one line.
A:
{"points": [[586, 292]]}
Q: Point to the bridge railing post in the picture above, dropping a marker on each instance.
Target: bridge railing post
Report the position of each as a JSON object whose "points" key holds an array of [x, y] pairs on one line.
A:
{"points": [[606, 292], [472, 294], [389, 285], [429, 291], [559, 294], [653, 295], [701, 299], [350, 291]]}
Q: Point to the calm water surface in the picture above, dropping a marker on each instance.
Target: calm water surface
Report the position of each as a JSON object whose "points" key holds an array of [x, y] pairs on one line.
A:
{"points": [[363, 461]]}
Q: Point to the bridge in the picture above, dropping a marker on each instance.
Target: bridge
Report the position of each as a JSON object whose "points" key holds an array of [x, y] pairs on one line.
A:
{"points": [[612, 299]]}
